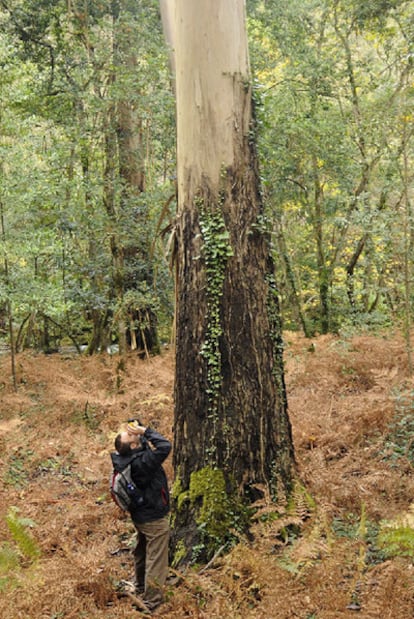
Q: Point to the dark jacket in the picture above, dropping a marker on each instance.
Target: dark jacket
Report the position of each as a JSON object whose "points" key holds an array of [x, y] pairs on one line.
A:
{"points": [[148, 475]]}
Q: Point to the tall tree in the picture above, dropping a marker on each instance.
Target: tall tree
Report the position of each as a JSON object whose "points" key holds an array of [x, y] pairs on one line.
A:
{"points": [[137, 273], [232, 432]]}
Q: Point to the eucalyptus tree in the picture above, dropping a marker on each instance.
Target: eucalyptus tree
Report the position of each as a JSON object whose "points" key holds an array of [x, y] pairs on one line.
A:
{"points": [[232, 434]]}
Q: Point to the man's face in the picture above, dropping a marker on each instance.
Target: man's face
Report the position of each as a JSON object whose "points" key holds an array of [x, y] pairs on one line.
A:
{"points": [[129, 439]]}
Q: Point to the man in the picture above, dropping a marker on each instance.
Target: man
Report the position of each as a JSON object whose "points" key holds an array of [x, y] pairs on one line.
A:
{"points": [[146, 450]]}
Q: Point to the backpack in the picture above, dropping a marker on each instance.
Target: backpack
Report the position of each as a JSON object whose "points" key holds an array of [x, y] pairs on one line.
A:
{"points": [[124, 491]]}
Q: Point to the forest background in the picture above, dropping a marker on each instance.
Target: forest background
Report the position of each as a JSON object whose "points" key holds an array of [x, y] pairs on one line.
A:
{"points": [[87, 165]]}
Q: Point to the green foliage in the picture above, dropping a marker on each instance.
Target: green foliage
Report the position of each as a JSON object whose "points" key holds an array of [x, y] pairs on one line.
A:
{"points": [[398, 442], [9, 564], [347, 526], [397, 541], [371, 543], [386, 539], [18, 528], [331, 142], [216, 250], [357, 527], [301, 503], [17, 473], [333, 103], [9, 559], [24, 549], [59, 237], [179, 554], [87, 416]]}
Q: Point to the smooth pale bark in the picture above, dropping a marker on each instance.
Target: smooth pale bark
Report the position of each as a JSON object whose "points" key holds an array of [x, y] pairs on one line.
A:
{"points": [[211, 69], [230, 400]]}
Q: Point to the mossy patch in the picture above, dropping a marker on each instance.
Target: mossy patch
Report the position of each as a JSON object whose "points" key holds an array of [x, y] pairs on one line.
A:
{"points": [[218, 512], [208, 491]]}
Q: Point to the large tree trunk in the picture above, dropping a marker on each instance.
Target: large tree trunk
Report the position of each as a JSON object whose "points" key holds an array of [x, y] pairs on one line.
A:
{"points": [[232, 433]]}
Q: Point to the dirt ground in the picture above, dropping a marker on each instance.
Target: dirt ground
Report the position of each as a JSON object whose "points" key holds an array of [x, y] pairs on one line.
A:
{"points": [[64, 546]]}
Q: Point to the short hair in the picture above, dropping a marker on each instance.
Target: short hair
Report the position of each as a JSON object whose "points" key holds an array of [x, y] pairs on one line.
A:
{"points": [[124, 449]]}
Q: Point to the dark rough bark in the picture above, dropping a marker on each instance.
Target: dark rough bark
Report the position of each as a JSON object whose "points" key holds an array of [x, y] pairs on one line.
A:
{"points": [[238, 425]]}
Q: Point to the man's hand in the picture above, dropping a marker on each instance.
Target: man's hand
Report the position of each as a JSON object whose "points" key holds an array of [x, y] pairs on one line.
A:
{"points": [[134, 429]]}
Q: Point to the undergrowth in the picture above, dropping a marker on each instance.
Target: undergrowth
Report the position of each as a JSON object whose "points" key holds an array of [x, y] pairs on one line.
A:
{"points": [[19, 531], [23, 552], [397, 541], [399, 438], [16, 474], [334, 551], [373, 542]]}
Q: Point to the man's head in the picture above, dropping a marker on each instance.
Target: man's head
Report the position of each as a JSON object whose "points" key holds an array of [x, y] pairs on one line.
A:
{"points": [[125, 442]]}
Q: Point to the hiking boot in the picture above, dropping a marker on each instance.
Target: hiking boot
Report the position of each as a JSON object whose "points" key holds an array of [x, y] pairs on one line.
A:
{"points": [[131, 586], [127, 586]]}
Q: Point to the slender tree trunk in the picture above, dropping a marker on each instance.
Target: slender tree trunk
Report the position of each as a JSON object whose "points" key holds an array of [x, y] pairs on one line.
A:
{"points": [[97, 316], [323, 272], [363, 245], [9, 309], [117, 249], [232, 432], [350, 270], [408, 247], [141, 320], [290, 276]]}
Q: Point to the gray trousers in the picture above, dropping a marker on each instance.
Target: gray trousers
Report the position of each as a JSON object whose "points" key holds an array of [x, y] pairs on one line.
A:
{"points": [[151, 559]]}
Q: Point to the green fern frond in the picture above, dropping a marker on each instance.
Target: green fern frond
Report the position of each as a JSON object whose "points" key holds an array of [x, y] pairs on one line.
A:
{"points": [[302, 504], [9, 566], [288, 565], [27, 546], [9, 559], [397, 541]]}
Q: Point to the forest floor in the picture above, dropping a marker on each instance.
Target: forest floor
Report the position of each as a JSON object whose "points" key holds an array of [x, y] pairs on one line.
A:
{"points": [[344, 548]]}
